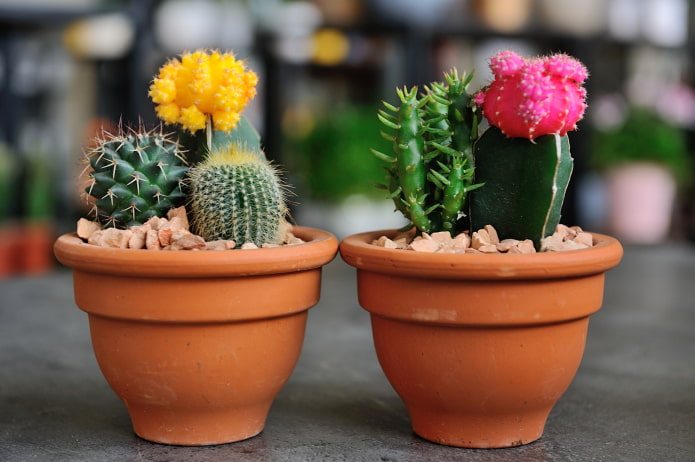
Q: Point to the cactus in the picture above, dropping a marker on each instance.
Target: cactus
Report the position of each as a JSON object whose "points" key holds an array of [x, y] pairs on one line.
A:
{"points": [[430, 170], [524, 157], [534, 97], [525, 184], [134, 177], [235, 194]]}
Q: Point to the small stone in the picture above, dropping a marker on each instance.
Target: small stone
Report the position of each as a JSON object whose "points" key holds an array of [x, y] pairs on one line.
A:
{"points": [[85, 228], [111, 237], [585, 238], [424, 244], [507, 244], [291, 239], [137, 239], [552, 243], [488, 248], [248, 246], [164, 235], [462, 241], [156, 222], [152, 238], [179, 213], [442, 237], [492, 234], [385, 242], [526, 247], [480, 238], [185, 240], [220, 244]]}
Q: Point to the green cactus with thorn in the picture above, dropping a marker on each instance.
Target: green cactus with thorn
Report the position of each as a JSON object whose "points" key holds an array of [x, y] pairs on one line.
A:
{"points": [[431, 169], [135, 176], [236, 194]]}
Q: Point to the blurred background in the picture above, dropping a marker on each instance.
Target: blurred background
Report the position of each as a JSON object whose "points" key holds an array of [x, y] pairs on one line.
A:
{"points": [[70, 67]]}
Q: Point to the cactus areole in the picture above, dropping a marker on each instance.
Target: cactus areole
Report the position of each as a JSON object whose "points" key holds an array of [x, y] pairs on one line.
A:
{"points": [[516, 171]]}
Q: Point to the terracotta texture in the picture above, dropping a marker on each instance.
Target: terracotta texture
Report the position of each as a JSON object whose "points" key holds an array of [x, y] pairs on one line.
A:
{"points": [[197, 344], [479, 347]]}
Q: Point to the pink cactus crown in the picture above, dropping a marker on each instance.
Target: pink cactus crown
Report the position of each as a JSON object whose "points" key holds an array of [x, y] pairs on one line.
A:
{"points": [[531, 97]]}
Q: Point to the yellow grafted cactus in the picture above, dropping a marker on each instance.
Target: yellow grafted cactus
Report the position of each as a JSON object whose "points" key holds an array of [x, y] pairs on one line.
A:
{"points": [[203, 85]]}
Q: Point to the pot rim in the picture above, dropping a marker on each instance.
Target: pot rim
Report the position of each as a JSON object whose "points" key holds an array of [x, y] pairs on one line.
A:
{"points": [[357, 250], [319, 249]]}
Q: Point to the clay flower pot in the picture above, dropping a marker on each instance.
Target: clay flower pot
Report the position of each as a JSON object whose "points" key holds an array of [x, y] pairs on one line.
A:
{"points": [[479, 347], [197, 344]]}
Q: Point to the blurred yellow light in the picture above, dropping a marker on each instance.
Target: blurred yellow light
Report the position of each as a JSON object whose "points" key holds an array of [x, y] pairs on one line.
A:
{"points": [[331, 47]]}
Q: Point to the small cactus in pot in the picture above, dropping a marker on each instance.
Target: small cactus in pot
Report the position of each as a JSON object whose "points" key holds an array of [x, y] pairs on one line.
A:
{"points": [[212, 164], [135, 176], [444, 175]]}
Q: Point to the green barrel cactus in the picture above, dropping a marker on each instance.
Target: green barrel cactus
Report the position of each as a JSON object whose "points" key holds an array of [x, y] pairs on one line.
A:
{"points": [[134, 177], [236, 194]]}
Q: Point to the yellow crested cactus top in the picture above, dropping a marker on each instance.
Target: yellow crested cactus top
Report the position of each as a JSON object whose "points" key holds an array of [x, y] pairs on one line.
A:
{"points": [[201, 85]]}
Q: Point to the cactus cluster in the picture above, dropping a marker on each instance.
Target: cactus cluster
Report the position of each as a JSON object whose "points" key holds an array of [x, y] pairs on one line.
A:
{"points": [[430, 170], [229, 188], [236, 195], [134, 177], [517, 170]]}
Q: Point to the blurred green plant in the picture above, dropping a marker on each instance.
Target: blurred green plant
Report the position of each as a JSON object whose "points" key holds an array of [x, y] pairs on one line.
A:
{"points": [[333, 160], [643, 137], [39, 191], [8, 177]]}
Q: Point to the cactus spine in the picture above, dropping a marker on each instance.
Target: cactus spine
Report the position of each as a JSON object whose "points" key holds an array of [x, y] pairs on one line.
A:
{"points": [[135, 177], [235, 194], [431, 167]]}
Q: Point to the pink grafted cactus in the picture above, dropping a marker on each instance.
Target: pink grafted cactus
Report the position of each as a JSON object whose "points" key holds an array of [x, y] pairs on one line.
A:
{"points": [[531, 97]]}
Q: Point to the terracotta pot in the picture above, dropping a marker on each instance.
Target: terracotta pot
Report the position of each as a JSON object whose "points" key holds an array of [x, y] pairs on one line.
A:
{"points": [[479, 347], [35, 249], [197, 344], [9, 250]]}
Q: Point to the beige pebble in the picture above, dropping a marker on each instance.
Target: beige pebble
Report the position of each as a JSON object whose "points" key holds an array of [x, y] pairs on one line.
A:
{"points": [[111, 237], [185, 240], [424, 245], [248, 246], [137, 239], [152, 238], [179, 215], [85, 228], [493, 238]]}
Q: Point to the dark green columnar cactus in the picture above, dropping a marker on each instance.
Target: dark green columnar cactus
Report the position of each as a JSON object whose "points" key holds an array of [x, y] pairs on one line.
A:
{"points": [[525, 184], [430, 169], [134, 177], [236, 194]]}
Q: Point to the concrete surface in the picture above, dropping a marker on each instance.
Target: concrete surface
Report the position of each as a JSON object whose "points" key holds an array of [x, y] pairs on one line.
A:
{"points": [[632, 400]]}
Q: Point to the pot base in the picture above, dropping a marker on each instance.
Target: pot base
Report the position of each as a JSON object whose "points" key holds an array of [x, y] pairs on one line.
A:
{"points": [[480, 432], [195, 427]]}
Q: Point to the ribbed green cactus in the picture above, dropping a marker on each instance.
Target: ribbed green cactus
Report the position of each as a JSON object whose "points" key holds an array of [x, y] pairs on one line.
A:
{"points": [[235, 194], [525, 184], [135, 176], [430, 169]]}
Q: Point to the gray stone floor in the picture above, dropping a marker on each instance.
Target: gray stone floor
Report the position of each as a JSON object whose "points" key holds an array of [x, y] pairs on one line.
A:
{"points": [[632, 400]]}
